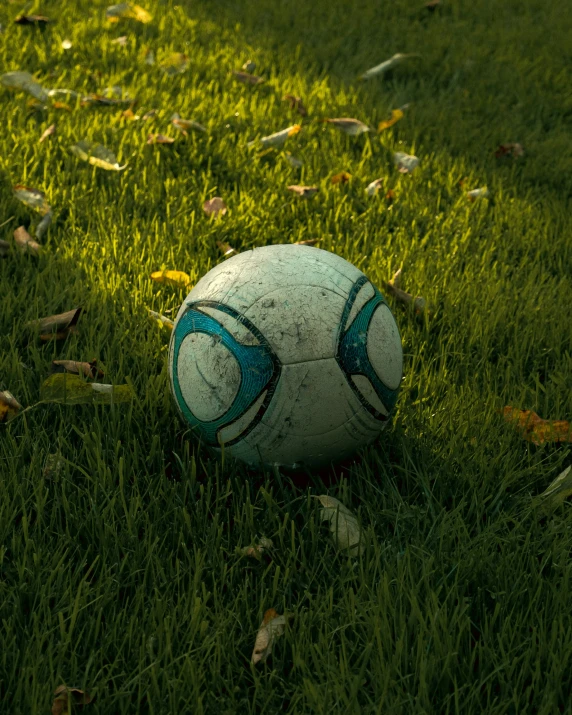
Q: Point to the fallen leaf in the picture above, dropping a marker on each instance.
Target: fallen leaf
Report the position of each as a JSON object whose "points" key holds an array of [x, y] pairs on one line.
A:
{"points": [[178, 279], [396, 115], [120, 41], [387, 65], [537, 430], [66, 45], [296, 103], [249, 66], [353, 127], [57, 91], [175, 63], [43, 226], [373, 188], [96, 154], [159, 139], [475, 194], [215, 206], [32, 20], [105, 100], [247, 78], [278, 138], [74, 390], [308, 242], [150, 114], [303, 191], [85, 369], [149, 57], [25, 82], [130, 114], [34, 198], [9, 406], [393, 287], [56, 326], [506, 150], [65, 696], [184, 124], [4, 248], [226, 249], [161, 319], [50, 131], [432, 4], [25, 242], [406, 163], [127, 10], [559, 490], [53, 466], [271, 627], [264, 544], [390, 195], [343, 524], [293, 161], [342, 178]]}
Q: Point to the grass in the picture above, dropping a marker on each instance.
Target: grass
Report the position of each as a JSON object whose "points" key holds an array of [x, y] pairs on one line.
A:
{"points": [[119, 575]]}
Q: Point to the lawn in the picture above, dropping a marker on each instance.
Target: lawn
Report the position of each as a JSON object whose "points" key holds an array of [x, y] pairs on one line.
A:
{"points": [[120, 571]]}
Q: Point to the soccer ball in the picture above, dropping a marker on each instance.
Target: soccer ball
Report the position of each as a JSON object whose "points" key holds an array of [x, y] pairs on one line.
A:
{"points": [[285, 355]]}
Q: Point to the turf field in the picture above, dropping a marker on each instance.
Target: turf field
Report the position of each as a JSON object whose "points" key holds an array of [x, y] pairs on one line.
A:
{"points": [[119, 570]]}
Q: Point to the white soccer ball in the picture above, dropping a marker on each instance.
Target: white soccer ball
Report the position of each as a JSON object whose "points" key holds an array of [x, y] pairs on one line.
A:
{"points": [[285, 355]]}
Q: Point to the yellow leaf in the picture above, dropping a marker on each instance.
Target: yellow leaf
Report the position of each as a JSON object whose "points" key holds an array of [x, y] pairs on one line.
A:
{"points": [[342, 178], [9, 406], [179, 279], [396, 115], [127, 10], [271, 627]]}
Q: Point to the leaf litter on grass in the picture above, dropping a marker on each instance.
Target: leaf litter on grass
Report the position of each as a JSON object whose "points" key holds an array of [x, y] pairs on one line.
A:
{"points": [[85, 369], [9, 406], [278, 138], [393, 287], [535, 429], [97, 155], [343, 524], [178, 279], [272, 627], [66, 388], [127, 11], [387, 65], [557, 492], [215, 207], [67, 699], [161, 320], [25, 242], [350, 126], [56, 327]]}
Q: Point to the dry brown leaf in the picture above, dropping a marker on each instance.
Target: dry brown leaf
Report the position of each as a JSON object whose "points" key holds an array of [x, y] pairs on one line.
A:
{"points": [[56, 327], [50, 131], [159, 139], [130, 115], [342, 178], [32, 20], [264, 544], [308, 242], [271, 627], [343, 524], [9, 406], [65, 696], [150, 114], [390, 195], [25, 242], [432, 4], [296, 103], [178, 279], [86, 369], [226, 249], [215, 207], [506, 150], [247, 78], [353, 127], [393, 287], [304, 191], [535, 429]]}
